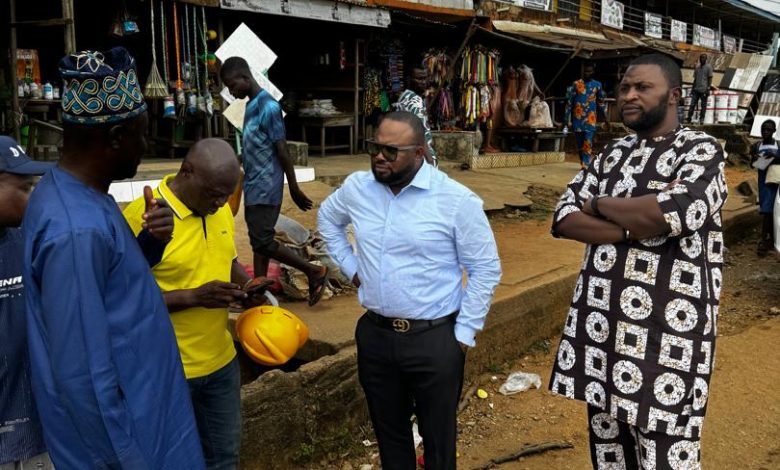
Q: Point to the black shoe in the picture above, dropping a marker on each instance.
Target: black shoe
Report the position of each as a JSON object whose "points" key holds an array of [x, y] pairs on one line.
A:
{"points": [[763, 248]]}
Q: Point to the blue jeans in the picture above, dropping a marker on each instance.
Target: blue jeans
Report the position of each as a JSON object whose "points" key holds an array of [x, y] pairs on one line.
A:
{"points": [[216, 399]]}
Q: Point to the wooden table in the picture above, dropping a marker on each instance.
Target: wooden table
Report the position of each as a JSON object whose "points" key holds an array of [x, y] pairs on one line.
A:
{"points": [[44, 118], [41, 108], [535, 135], [325, 122]]}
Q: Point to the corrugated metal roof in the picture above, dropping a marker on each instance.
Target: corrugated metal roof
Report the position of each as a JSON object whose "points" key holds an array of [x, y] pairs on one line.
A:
{"points": [[586, 40], [756, 10]]}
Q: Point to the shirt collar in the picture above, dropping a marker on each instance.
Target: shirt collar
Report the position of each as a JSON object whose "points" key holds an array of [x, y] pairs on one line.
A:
{"points": [[178, 207], [423, 177], [252, 102]]}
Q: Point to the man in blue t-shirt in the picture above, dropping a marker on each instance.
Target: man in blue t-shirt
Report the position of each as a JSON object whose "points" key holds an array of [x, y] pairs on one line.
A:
{"points": [[266, 161], [21, 438]]}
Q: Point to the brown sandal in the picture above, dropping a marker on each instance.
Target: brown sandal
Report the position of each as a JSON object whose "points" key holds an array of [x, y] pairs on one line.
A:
{"points": [[317, 287]]}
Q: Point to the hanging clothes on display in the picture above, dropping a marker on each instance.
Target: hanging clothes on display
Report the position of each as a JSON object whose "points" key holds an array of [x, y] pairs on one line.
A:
{"points": [[373, 88], [439, 99], [443, 108], [478, 74], [393, 53], [383, 76], [437, 65]]}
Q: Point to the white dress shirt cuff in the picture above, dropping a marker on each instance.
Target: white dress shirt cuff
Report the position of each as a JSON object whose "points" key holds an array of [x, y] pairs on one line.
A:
{"points": [[465, 335], [349, 267]]}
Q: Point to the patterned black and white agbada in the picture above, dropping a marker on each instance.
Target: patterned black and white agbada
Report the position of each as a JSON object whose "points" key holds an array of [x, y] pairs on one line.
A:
{"points": [[640, 335], [615, 445]]}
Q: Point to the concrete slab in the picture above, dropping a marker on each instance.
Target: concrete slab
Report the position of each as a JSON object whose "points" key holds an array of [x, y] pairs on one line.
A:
{"points": [[555, 174], [497, 191]]}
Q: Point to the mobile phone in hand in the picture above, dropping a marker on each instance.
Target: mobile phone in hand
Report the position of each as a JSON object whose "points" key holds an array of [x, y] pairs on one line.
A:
{"points": [[258, 289]]}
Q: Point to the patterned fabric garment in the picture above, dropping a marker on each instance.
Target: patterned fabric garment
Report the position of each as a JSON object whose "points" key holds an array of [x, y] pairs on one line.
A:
{"points": [[583, 101], [640, 336], [615, 445], [100, 87], [585, 145], [413, 103]]}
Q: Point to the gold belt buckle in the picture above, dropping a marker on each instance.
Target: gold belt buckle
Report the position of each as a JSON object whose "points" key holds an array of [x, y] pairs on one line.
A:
{"points": [[400, 325]]}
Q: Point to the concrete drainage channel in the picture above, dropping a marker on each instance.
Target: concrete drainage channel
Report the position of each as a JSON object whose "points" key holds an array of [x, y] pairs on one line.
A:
{"points": [[315, 407]]}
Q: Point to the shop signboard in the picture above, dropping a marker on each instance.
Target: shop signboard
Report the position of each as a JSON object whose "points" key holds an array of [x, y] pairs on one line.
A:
{"points": [[679, 31], [243, 42], [28, 66], [612, 14], [324, 10], [653, 25], [729, 44], [545, 5], [704, 37]]}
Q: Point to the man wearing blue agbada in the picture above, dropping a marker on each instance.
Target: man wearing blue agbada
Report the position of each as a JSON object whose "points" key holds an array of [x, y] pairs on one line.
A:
{"points": [[106, 371]]}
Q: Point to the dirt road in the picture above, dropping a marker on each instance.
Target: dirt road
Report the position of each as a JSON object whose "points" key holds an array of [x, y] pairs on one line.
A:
{"points": [[742, 430]]}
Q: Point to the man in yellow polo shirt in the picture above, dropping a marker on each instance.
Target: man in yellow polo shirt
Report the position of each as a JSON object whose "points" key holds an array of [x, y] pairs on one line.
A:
{"points": [[200, 277]]}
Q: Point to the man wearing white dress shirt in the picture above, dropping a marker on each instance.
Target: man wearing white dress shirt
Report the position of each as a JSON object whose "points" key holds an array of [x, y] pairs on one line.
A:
{"points": [[416, 232]]}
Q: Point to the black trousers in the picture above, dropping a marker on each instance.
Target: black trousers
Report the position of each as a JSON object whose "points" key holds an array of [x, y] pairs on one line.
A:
{"points": [[420, 372], [697, 96]]}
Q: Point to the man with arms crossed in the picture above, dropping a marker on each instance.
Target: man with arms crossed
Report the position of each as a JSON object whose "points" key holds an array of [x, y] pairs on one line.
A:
{"points": [[639, 340]]}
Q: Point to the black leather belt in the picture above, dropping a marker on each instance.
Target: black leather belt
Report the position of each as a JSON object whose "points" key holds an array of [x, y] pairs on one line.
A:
{"points": [[402, 325]]}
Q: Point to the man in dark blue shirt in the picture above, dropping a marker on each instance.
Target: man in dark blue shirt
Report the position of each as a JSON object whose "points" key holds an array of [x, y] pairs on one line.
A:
{"points": [[21, 438]]}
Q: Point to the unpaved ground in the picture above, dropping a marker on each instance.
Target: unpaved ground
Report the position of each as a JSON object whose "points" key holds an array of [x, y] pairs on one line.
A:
{"points": [[741, 430]]}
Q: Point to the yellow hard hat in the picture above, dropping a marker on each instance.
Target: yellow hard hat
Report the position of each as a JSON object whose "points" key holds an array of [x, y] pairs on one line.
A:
{"points": [[271, 335]]}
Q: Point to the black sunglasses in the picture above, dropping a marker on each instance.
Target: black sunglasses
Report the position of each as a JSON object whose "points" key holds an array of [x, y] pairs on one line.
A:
{"points": [[389, 152]]}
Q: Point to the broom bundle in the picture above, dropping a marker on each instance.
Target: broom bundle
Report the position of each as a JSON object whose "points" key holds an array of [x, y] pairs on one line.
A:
{"points": [[155, 86]]}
